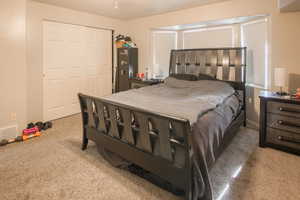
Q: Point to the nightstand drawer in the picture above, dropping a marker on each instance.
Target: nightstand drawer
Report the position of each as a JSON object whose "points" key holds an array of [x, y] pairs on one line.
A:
{"points": [[284, 109], [284, 123], [283, 139]]}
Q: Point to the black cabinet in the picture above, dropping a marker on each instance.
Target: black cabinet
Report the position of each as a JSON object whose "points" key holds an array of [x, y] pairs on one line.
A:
{"points": [[279, 122], [127, 67]]}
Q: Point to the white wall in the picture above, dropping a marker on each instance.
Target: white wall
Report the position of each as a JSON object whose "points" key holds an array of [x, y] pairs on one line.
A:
{"points": [[37, 12], [21, 87], [284, 29], [21, 55], [289, 5], [12, 63]]}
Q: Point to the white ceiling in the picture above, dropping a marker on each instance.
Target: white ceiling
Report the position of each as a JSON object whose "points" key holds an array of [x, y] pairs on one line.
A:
{"points": [[128, 9], [289, 5]]}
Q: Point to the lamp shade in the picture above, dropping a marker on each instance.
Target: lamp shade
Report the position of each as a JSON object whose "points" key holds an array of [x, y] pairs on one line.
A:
{"points": [[280, 76]]}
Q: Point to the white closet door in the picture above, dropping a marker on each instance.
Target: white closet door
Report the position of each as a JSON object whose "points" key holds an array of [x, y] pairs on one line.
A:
{"points": [[76, 59]]}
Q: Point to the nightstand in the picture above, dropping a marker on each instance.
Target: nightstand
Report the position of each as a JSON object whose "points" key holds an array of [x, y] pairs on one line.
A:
{"points": [[137, 83], [279, 122]]}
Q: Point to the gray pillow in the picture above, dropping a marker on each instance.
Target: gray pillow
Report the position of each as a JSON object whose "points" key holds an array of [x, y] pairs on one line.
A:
{"points": [[186, 77], [206, 77]]}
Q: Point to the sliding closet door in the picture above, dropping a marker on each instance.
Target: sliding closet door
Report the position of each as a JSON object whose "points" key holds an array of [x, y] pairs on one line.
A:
{"points": [[98, 59], [75, 59]]}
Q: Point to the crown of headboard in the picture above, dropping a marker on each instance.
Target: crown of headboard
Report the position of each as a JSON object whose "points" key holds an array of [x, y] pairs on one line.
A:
{"points": [[226, 64]]}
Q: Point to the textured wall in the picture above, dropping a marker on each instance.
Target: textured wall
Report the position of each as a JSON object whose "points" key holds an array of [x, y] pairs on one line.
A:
{"points": [[21, 84], [284, 34], [13, 63]]}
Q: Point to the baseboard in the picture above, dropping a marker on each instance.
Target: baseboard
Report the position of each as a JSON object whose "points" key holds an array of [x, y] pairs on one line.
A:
{"points": [[252, 124], [8, 132]]}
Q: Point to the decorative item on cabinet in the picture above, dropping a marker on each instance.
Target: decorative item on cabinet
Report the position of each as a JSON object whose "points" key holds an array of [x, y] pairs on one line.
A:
{"points": [[124, 42], [280, 80]]}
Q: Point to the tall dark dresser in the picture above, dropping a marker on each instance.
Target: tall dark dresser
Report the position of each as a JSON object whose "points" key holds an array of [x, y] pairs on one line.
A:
{"points": [[127, 67]]}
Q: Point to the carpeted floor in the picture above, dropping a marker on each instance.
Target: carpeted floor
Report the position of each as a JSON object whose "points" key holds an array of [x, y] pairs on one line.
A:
{"points": [[53, 167]]}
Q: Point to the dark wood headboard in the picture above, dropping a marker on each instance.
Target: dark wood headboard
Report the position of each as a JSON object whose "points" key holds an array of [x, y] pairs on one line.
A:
{"points": [[224, 64]]}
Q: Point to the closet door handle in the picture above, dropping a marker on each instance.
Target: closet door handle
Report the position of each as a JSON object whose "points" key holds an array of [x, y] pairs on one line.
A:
{"points": [[288, 139]]}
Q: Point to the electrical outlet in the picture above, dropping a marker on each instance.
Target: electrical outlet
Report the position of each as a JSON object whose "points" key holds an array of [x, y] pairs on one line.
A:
{"points": [[13, 116]]}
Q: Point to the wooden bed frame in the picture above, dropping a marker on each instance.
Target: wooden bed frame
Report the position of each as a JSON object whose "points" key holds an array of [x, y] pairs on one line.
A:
{"points": [[159, 143]]}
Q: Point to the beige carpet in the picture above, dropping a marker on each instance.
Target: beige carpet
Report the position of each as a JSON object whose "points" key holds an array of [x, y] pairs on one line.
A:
{"points": [[53, 167]]}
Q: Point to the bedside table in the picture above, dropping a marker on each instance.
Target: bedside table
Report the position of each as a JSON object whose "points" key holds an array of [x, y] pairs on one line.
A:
{"points": [[137, 83], [279, 122]]}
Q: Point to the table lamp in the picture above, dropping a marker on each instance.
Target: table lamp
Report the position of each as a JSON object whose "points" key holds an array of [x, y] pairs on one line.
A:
{"points": [[280, 80]]}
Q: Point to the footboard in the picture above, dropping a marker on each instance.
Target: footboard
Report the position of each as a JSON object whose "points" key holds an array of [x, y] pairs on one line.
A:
{"points": [[158, 143]]}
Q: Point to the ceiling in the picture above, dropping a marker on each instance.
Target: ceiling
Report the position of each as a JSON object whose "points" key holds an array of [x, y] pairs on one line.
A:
{"points": [[128, 9], [289, 5]]}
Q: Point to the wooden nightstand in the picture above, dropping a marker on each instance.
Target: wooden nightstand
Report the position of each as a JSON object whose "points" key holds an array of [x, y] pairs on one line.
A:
{"points": [[279, 122], [137, 83]]}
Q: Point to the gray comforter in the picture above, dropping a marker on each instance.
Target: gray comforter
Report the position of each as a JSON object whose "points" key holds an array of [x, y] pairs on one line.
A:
{"points": [[178, 98], [210, 106]]}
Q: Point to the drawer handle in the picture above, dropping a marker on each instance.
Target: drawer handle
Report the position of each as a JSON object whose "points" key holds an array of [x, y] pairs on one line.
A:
{"points": [[281, 122], [288, 139], [291, 110]]}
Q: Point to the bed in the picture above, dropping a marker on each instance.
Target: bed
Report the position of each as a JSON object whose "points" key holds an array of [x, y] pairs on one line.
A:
{"points": [[177, 129]]}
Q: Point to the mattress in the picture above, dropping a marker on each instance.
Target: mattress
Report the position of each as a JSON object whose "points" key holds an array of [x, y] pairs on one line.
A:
{"points": [[177, 98]]}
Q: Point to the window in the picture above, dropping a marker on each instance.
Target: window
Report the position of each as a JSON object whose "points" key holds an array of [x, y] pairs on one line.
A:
{"points": [[254, 36], [209, 37], [251, 34], [163, 43]]}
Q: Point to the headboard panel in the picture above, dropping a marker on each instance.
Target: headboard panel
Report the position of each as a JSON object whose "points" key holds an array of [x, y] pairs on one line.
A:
{"points": [[225, 64]]}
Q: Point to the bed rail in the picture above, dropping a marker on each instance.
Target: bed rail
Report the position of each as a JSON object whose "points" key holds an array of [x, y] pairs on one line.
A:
{"points": [[158, 143]]}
